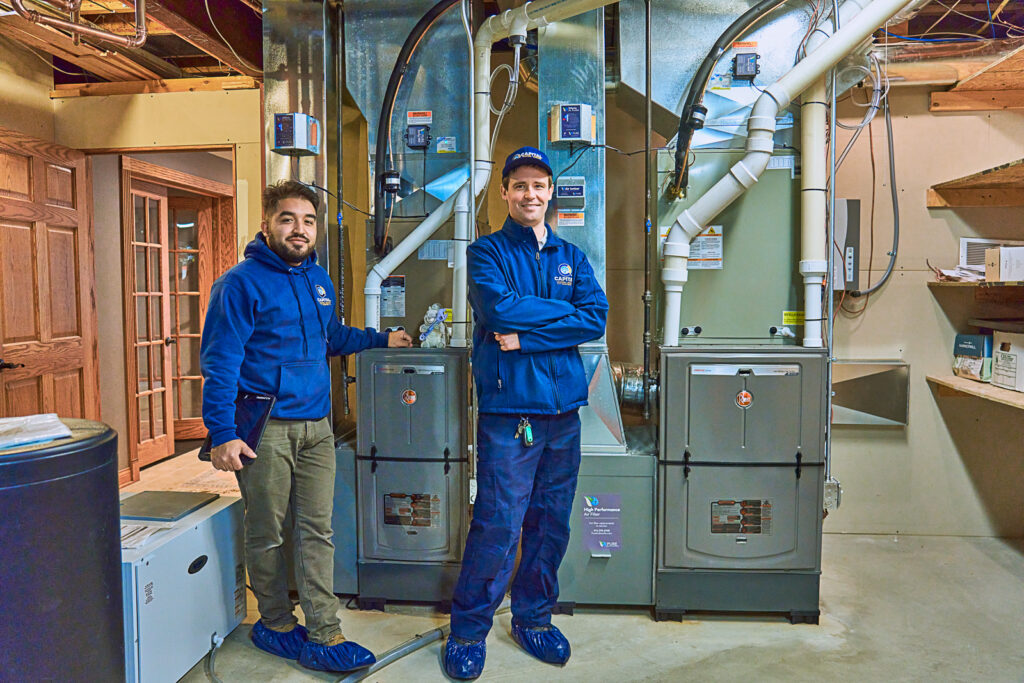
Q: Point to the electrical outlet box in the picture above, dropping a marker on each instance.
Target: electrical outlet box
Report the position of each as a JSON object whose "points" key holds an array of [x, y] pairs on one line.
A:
{"points": [[570, 192], [571, 123]]}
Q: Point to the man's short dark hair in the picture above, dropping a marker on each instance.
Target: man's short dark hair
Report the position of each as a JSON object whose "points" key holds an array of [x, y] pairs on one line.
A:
{"points": [[287, 189]]}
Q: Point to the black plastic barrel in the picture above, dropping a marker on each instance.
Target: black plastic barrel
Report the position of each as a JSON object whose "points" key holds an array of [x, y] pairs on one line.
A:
{"points": [[60, 559]]}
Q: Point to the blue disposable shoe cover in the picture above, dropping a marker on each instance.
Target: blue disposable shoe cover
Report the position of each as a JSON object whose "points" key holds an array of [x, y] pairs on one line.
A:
{"points": [[464, 660], [287, 645], [340, 658], [546, 643]]}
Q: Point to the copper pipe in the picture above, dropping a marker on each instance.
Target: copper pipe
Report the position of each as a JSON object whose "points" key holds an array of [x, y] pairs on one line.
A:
{"points": [[69, 6], [138, 40]]}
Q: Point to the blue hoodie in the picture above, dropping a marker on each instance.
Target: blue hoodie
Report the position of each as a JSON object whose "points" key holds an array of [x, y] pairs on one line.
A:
{"points": [[269, 329], [552, 300]]}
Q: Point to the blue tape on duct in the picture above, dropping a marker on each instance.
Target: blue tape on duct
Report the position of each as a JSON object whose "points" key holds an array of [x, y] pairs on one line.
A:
{"points": [[445, 186]]}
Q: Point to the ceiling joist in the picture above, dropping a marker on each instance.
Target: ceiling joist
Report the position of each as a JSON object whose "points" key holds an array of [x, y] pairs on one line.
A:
{"points": [[241, 49]]}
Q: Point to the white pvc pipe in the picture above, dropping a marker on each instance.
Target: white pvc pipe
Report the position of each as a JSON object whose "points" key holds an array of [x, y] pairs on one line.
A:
{"points": [[813, 235], [761, 126], [402, 251], [463, 232]]}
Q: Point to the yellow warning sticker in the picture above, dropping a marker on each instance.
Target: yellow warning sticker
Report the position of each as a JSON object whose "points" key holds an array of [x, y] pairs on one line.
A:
{"points": [[792, 317]]}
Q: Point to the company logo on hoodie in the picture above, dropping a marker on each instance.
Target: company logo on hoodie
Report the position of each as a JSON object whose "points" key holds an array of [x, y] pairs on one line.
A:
{"points": [[321, 296], [564, 276]]}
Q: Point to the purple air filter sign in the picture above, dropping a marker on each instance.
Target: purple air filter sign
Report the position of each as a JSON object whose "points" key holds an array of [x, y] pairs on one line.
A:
{"points": [[602, 522]]}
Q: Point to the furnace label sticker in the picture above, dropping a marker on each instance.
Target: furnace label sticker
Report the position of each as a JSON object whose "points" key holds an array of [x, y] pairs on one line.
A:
{"points": [[752, 516], [392, 297], [602, 522], [417, 510], [424, 117], [571, 219], [706, 252], [446, 145]]}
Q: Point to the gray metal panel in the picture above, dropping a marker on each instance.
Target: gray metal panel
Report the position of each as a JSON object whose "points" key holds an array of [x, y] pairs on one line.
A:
{"points": [[871, 392], [625, 577], [571, 70], [407, 581], [741, 591], [295, 55], [344, 521], [433, 529], [700, 413], [761, 239], [437, 80], [790, 539]]}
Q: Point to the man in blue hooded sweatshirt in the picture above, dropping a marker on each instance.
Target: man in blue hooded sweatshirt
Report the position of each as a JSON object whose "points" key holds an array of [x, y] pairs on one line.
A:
{"points": [[269, 329], [534, 298]]}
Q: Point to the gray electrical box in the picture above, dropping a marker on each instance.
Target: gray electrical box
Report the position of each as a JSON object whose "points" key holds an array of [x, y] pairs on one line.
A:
{"points": [[741, 481], [411, 473]]}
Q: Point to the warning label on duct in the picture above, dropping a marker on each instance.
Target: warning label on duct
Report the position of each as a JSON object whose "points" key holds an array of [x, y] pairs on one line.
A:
{"points": [[706, 250], [412, 510], [741, 517], [602, 522]]}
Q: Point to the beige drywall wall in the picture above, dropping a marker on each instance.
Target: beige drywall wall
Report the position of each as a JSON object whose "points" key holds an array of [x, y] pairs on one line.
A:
{"points": [[225, 118], [25, 84], [957, 467]]}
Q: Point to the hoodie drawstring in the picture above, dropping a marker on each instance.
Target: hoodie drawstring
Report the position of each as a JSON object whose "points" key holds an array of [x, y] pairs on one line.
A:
{"points": [[302, 318]]}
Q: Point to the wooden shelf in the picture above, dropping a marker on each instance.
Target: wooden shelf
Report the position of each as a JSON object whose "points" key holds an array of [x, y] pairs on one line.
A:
{"points": [[958, 386], [976, 284], [999, 186], [1010, 293]]}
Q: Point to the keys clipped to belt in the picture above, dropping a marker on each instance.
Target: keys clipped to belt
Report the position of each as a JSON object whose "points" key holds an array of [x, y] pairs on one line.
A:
{"points": [[525, 432]]}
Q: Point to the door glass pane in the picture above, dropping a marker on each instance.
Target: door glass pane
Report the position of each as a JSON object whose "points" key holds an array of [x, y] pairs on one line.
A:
{"points": [[188, 314], [140, 269], [157, 351], [175, 368], [191, 398], [155, 283], [139, 204], [145, 431], [141, 318], [188, 350], [185, 228], [156, 318], [188, 273], [159, 427], [143, 353], [154, 221]]}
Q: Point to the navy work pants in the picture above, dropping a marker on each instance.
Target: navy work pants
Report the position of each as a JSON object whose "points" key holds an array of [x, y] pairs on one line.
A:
{"points": [[518, 487]]}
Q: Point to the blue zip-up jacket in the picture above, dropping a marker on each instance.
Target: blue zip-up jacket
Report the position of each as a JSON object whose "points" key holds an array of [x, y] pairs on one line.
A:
{"points": [[552, 300], [269, 329]]}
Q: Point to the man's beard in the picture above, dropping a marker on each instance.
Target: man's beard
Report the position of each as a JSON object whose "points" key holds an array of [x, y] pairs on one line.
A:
{"points": [[291, 253]]}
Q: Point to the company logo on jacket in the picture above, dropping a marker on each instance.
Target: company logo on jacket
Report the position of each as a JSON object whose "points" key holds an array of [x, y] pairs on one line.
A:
{"points": [[321, 296], [564, 276]]}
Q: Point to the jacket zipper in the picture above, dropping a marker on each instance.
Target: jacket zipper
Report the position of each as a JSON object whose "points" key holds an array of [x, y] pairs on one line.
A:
{"points": [[551, 368]]}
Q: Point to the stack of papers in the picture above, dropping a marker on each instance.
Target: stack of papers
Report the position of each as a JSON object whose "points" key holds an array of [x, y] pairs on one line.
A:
{"points": [[21, 431], [961, 274]]}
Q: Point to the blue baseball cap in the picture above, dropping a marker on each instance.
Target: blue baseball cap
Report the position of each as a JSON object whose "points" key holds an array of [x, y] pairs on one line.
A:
{"points": [[526, 156]]}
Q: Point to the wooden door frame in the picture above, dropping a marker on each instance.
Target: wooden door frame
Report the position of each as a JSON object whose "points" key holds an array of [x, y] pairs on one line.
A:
{"points": [[225, 253]]}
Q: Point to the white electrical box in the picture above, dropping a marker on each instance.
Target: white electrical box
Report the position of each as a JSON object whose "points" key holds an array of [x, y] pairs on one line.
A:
{"points": [[572, 123], [571, 192], [183, 579], [296, 135]]}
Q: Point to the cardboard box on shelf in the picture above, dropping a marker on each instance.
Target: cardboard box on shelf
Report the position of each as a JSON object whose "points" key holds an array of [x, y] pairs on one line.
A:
{"points": [[972, 357], [1004, 264], [1008, 360]]}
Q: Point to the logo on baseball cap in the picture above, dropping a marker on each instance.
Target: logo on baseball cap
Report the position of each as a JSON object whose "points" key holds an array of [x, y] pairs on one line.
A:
{"points": [[526, 156]]}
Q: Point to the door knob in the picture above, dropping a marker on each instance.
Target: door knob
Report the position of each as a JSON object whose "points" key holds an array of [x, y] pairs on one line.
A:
{"points": [[10, 366], [170, 340]]}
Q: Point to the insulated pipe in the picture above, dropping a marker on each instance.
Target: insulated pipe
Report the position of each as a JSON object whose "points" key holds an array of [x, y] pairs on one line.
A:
{"points": [[138, 40], [813, 238], [761, 127], [402, 251]]}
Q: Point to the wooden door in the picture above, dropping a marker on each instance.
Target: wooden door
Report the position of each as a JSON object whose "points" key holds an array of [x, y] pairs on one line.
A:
{"points": [[48, 341], [191, 276], [147, 321]]}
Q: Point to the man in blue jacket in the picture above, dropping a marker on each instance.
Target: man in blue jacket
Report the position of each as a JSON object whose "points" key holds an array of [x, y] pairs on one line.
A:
{"points": [[534, 299], [269, 329]]}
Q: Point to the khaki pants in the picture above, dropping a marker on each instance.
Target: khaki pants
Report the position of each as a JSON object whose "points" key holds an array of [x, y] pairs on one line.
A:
{"points": [[293, 472]]}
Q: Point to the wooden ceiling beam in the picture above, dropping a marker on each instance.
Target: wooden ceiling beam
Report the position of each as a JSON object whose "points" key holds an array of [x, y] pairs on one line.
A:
{"points": [[124, 25], [242, 30], [157, 86]]}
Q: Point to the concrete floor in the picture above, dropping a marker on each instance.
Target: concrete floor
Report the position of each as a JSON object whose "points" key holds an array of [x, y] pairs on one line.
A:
{"points": [[904, 608]]}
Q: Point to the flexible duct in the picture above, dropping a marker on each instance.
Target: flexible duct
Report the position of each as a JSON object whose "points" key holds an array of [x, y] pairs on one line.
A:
{"points": [[859, 26]]}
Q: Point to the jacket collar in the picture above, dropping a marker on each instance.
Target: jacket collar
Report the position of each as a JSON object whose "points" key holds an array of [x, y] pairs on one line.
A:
{"points": [[259, 250], [522, 233]]}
